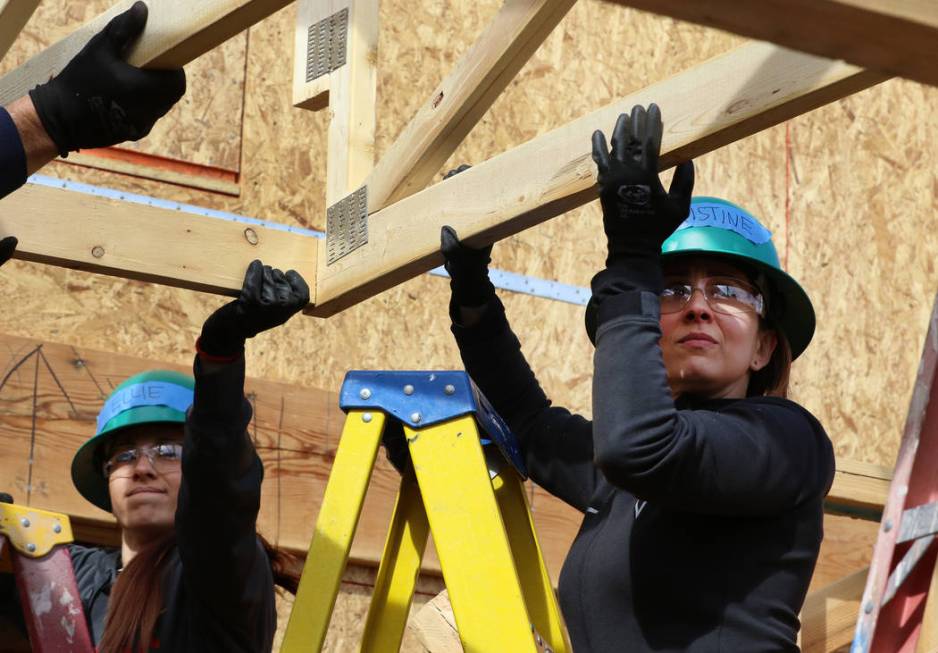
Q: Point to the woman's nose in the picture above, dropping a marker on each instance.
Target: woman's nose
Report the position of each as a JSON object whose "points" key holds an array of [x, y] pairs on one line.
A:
{"points": [[697, 307], [143, 466]]}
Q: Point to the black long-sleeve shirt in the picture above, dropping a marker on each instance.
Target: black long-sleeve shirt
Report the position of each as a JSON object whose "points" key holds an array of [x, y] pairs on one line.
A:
{"points": [[12, 156], [703, 518], [218, 591]]}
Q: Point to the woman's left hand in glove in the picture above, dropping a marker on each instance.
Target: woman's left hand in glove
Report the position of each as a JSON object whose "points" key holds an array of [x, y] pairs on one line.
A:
{"points": [[638, 215], [268, 299]]}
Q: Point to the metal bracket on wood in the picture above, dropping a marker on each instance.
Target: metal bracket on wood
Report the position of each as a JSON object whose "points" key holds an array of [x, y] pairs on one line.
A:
{"points": [[347, 225], [326, 46]]}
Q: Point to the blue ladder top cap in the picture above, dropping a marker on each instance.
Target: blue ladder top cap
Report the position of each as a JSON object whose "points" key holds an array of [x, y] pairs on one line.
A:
{"points": [[423, 398]]}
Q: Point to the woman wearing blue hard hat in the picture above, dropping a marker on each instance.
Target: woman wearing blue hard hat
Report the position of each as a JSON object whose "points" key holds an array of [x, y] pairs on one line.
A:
{"points": [[172, 460], [701, 484]]}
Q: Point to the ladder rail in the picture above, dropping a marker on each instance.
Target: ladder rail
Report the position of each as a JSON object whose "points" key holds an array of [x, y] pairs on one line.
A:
{"points": [[890, 619]]}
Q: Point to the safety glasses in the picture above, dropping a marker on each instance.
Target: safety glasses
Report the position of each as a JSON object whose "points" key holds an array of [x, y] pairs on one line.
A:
{"points": [[163, 457], [726, 295]]}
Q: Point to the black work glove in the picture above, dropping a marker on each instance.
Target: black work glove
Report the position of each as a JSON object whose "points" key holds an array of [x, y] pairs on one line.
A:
{"points": [[99, 99], [638, 215], [468, 267], [468, 270], [7, 247], [268, 299]]}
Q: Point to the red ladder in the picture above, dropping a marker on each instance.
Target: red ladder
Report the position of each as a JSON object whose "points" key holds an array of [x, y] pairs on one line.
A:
{"points": [[893, 609], [35, 542]]}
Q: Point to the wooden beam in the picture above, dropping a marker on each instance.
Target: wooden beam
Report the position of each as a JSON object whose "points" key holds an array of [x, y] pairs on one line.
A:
{"points": [[830, 614], [718, 102], [14, 14], [894, 37], [859, 489], [352, 97], [95, 234], [311, 94], [460, 101], [177, 32]]}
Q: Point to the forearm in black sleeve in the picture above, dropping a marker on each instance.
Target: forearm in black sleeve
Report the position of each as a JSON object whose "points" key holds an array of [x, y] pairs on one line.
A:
{"points": [[220, 493], [753, 456], [12, 156], [557, 444]]}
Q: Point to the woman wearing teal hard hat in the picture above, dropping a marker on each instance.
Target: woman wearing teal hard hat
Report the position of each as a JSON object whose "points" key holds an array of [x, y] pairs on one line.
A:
{"points": [[172, 460], [701, 484]]}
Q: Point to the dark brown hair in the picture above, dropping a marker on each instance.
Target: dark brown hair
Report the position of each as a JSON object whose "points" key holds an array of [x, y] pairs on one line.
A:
{"points": [[137, 598], [772, 380]]}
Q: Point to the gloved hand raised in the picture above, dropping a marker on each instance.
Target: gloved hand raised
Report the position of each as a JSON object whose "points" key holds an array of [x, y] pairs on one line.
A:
{"points": [[99, 99], [268, 299], [468, 267], [638, 215], [7, 247]]}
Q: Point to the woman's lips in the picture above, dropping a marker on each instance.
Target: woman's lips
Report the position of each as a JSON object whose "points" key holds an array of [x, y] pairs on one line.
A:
{"points": [[697, 339], [145, 490]]}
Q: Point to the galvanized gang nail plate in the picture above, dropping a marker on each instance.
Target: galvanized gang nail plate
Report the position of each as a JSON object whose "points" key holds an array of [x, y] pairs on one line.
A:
{"points": [[326, 45], [347, 225]]}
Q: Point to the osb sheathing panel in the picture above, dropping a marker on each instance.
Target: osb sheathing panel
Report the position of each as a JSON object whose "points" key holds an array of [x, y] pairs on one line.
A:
{"points": [[351, 608], [850, 202], [204, 128]]}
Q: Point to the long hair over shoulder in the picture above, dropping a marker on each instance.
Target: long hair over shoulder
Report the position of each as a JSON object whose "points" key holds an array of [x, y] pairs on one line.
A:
{"points": [[137, 597]]}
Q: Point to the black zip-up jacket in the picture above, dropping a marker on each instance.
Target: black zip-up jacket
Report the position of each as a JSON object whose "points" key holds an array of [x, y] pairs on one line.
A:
{"points": [[218, 590], [703, 518]]}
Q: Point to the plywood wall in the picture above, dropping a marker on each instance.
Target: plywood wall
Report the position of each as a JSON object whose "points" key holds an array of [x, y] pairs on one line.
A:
{"points": [[849, 190]]}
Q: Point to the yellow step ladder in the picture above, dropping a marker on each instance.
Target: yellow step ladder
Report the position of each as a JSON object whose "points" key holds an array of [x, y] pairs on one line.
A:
{"points": [[461, 479]]}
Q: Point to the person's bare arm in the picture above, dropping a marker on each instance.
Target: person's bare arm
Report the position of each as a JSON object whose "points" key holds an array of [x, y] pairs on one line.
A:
{"points": [[38, 146]]}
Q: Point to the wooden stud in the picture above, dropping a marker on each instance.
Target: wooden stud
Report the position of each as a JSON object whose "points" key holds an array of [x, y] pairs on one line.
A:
{"points": [[460, 101], [177, 32], [352, 95], [894, 38], [92, 233], [723, 100], [314, 36], [14, 14], [829, 615]]}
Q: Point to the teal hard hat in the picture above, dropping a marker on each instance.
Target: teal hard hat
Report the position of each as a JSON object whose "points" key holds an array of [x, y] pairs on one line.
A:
{"points": [[716, 227], [152, 397]]}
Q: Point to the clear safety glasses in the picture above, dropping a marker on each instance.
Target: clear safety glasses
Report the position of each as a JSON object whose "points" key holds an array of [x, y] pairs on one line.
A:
{"points": [[163, 457], [726, 295]]}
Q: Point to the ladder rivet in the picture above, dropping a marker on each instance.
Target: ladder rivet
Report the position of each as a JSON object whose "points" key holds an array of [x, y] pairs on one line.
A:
{"points": [[408, 389], [365, 393], [416, 417], [57, 528], [449, 389], [31, 547], [887, 526], [366, 417], [24, 522], [868, 608]]}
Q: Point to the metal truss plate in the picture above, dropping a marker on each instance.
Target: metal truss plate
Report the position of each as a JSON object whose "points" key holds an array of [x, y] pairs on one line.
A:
{"points": [[347, 225], [326, 45]]}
